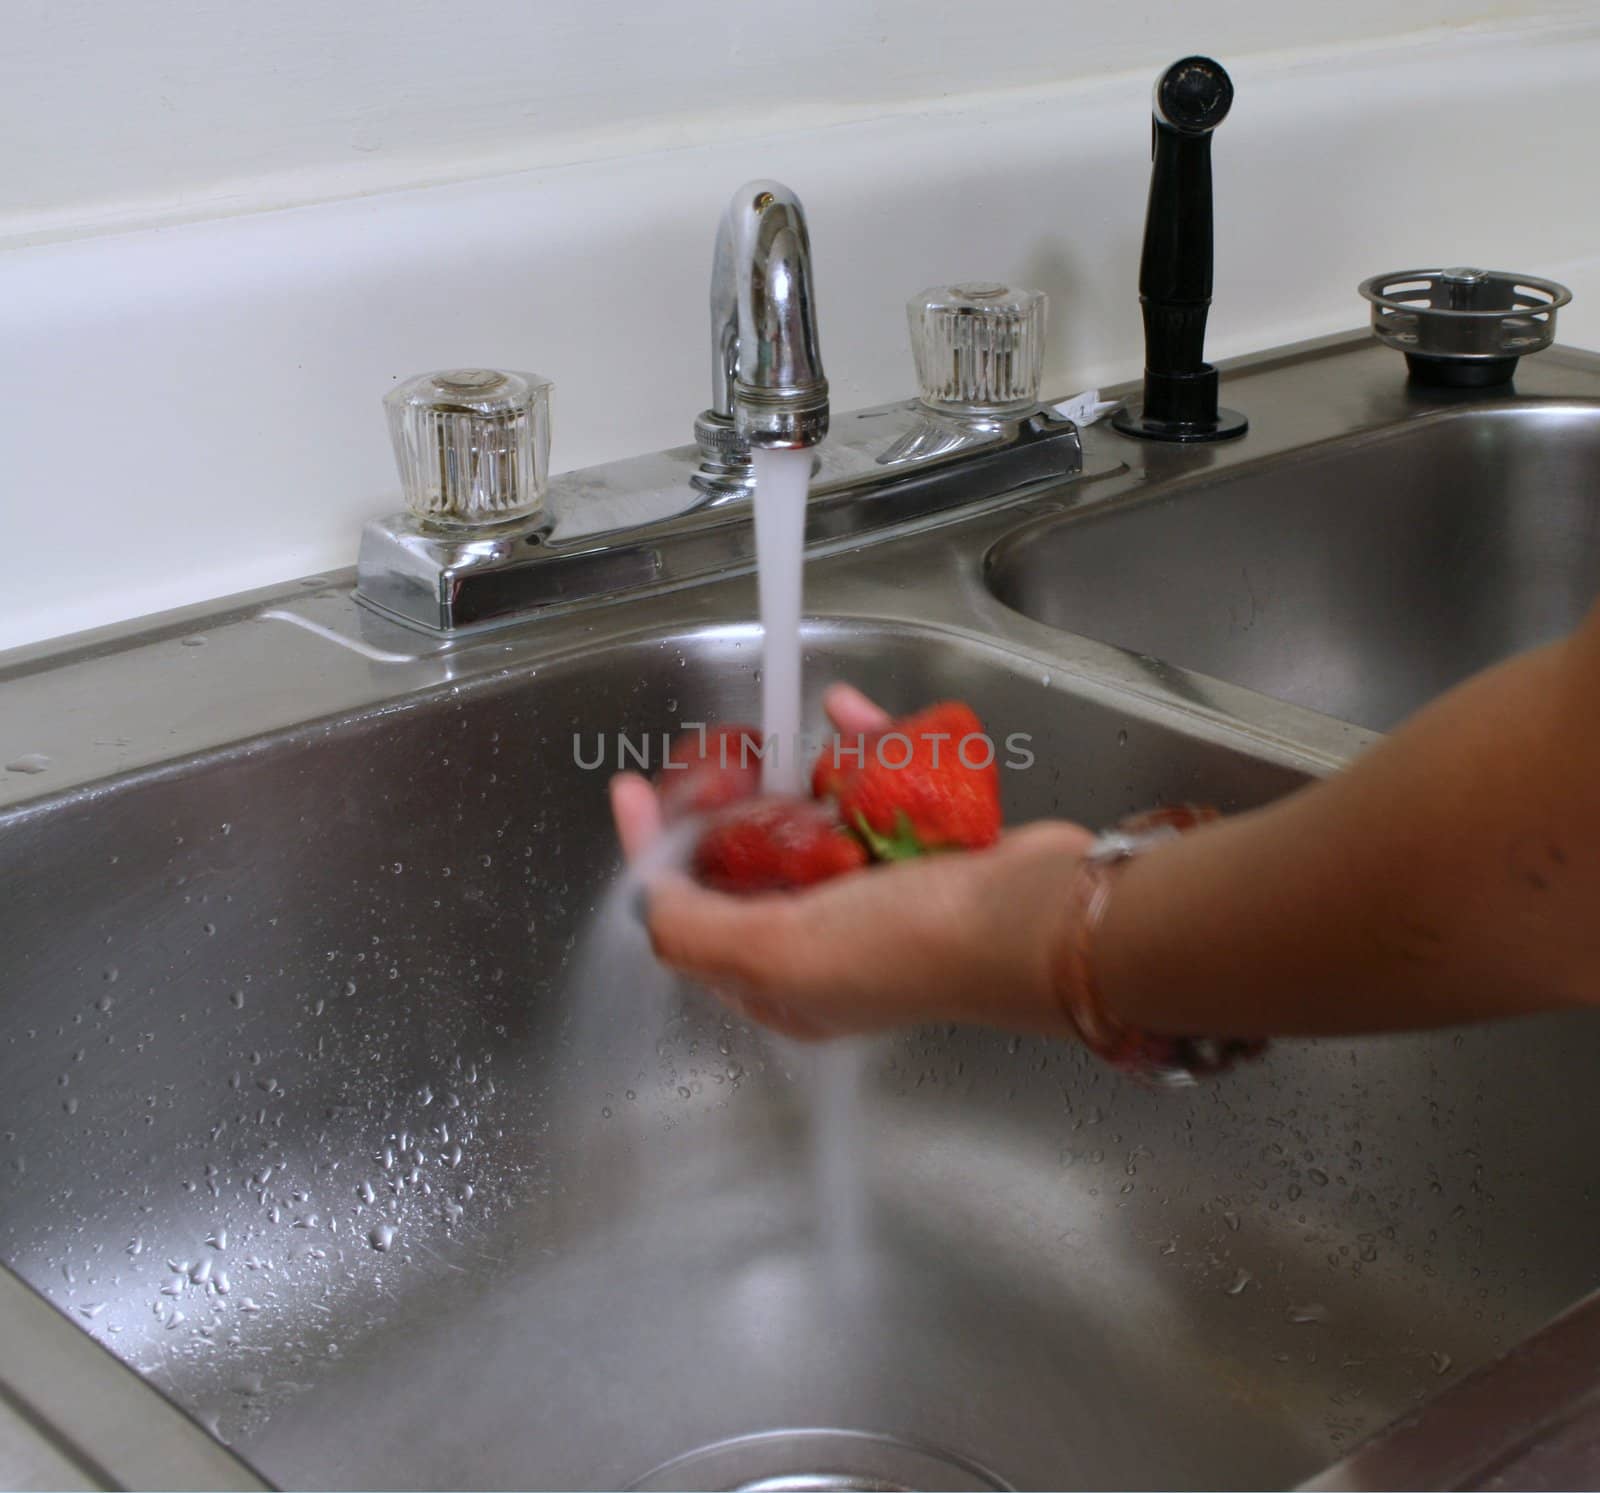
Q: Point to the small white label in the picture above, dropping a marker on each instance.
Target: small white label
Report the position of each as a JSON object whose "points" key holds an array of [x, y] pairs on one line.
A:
{"points": [[1087, 407]]}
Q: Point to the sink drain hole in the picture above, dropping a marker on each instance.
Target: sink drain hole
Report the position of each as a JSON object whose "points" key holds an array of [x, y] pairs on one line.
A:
{"points": [[818, 1461]]}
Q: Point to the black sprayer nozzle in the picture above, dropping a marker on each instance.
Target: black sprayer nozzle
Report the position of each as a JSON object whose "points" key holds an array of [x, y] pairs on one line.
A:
{"points": [[1192, 98]]}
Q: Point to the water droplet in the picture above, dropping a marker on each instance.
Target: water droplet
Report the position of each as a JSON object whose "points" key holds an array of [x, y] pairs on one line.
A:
{"points": [[381, 1237], [92, 1309], [1122, 738], [1240, 1281], [1442, 1362], [1313, 1312], [218, 1240], [236, 1000], [365, 1193], [1318, 1176], [32, 762], [195, 642]]}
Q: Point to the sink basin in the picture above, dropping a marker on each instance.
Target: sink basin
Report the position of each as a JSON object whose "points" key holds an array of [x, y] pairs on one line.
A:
{"points": [[317, 1108], [1359, 578]]}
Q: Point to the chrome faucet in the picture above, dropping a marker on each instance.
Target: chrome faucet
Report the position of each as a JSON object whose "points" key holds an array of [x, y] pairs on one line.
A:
{"points": [[487, 540], [767, 384], [766, 369]]}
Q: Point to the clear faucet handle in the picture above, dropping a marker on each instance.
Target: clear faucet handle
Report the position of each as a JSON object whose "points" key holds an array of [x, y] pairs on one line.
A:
{"points": [[979, 347], [472, 444]]}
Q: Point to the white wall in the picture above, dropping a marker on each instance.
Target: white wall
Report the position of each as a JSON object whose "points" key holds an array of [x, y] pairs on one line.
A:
{"points": [[193, 409], [115, 113]]}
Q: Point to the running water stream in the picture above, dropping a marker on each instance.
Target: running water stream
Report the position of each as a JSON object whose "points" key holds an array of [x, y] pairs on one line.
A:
{"points": [[837, 1068], [782, 478], [614, 963]]}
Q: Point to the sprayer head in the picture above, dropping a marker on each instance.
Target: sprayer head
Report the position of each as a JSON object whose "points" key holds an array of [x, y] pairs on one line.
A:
{"points": [[1193, 96]]}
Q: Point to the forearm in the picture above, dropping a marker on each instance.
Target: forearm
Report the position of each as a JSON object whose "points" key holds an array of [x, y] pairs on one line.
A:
{"points": [[1452, 874]]}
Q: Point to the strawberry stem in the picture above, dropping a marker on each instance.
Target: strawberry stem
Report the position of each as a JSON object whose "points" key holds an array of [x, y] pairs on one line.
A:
{"points": [[903, 845]]}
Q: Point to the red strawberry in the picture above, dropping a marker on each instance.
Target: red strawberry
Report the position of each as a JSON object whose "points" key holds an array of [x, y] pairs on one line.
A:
{"points": [[839, 762], [709, 769], [774, 845], [1180, 817], [914, 790]]}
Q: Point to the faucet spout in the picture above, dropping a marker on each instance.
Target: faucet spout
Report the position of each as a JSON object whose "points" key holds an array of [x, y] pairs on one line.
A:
{"points": [[766, 368]]}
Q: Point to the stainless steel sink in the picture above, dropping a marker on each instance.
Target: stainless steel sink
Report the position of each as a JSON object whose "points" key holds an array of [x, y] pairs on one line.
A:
{"points": [[319, 1110], [303, 1115], [1360, 578]]}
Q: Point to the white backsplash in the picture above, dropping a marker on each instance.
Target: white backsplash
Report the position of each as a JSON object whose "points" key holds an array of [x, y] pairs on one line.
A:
{"points": [[193, 410]]}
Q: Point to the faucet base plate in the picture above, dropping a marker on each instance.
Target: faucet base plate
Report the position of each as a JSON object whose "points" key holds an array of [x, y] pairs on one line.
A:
{"points": [[1131, 420]]}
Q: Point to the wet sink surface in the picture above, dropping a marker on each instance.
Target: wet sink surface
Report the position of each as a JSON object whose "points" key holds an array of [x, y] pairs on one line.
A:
{"points": [[1359, 579], [313, 1110]]}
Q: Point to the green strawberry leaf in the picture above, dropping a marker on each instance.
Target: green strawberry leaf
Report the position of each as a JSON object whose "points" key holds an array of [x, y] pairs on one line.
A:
{"points": [[903, 845]]}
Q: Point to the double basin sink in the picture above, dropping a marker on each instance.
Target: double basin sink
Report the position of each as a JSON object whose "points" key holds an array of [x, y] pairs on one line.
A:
{"points": [[324, 1112]]}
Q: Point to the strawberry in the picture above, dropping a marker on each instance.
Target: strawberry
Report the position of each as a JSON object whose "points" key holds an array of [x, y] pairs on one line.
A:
{"points": [[709, 769], [913, 792], [836, 764], [1178, 817], [774, 845]]}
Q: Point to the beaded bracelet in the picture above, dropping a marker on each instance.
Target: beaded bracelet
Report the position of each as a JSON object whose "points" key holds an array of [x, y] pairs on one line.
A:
{"points": [[1173, 1062]]}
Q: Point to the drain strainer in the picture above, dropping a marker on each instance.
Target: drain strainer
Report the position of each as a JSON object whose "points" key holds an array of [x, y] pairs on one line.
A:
{"points": [[1464, 328], [818, 1461]]}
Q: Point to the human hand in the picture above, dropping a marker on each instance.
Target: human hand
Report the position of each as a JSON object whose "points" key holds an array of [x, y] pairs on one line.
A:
{"points": [[965, 936]]}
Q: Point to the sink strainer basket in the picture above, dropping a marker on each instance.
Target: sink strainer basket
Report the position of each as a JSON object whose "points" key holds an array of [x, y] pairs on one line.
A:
{"points": [[1462, 327]]}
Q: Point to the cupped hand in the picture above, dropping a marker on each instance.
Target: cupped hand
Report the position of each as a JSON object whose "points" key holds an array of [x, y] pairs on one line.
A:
{"points": [[963, 937]]}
